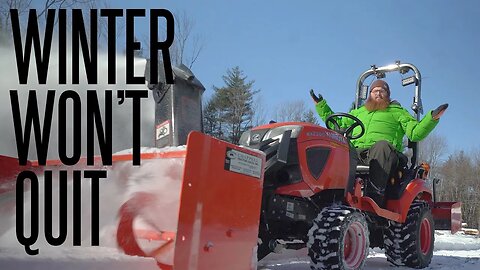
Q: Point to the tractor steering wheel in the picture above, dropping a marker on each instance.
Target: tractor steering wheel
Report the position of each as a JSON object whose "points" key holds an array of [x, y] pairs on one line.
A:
{"points": [[347, 133]]}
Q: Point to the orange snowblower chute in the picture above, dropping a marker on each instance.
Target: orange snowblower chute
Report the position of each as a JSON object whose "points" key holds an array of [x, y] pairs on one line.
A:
{"points": [[218, 214]]}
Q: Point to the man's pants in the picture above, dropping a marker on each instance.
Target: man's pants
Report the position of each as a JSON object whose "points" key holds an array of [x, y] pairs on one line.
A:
{"points": [[382, 158]]}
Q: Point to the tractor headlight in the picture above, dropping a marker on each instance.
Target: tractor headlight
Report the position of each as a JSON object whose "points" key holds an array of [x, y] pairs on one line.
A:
{"points": [[245, 138]]}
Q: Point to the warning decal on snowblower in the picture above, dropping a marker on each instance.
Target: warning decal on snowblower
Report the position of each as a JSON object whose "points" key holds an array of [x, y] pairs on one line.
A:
{"points": [[240, 162], [163, 130]]}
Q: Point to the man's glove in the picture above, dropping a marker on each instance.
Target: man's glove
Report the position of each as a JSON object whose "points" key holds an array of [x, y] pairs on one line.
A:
{"points": [[437, 113], [315, 97]]}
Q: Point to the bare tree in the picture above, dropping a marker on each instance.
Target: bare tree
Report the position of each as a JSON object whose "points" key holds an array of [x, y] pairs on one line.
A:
{"points": [[187, 46], [431, 150], [21, 5], [102, 25], [295, 111], [57, 4], [460, 182], [259, 112], [289, 111]]}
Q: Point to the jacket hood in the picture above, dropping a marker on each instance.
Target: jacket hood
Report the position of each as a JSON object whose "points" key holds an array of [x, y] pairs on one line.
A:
{"points": [[395, 103]]}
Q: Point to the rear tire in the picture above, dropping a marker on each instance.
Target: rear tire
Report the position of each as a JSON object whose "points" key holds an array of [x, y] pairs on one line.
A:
{"points": [[338, 239], [412, 242]]}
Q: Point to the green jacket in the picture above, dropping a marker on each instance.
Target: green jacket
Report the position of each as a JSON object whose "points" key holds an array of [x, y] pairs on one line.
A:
{"points": [[391, 124]]}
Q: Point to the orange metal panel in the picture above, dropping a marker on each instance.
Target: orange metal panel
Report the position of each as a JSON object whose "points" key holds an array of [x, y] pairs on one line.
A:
{"points": [[219, 209], [416, 188], [334, 174], [356, 200]]}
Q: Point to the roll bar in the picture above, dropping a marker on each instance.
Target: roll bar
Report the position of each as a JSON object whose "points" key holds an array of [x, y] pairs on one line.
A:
{"points": [[379, 72]]}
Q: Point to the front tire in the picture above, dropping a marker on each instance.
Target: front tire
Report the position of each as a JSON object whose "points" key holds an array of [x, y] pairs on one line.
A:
{"points": [[338, 239], [412, 242]]}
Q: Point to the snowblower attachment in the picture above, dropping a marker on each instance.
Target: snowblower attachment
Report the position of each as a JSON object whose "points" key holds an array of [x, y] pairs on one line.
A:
{"points": [[193, 207], [207, 219], [178, 106], [214, 224]]}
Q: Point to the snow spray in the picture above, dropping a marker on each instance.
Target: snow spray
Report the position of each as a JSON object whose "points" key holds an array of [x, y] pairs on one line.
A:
{"points": [[86, 122]]}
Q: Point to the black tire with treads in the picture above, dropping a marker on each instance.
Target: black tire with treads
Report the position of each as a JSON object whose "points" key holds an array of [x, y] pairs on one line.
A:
{"points": [[338, 239], [411, 243]]}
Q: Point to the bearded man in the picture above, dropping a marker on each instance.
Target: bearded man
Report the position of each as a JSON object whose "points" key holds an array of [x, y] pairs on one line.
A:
{"points": [[386, 123]]}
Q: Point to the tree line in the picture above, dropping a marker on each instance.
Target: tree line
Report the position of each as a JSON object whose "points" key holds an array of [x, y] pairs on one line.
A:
{"points": [[458, 174]]}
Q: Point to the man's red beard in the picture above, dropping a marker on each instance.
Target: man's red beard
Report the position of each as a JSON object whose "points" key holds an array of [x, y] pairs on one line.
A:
{"points": [[374, 105]]}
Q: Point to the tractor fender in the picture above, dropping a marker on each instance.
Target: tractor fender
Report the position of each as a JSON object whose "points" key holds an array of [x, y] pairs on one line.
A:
{"points": [[416, 189]]}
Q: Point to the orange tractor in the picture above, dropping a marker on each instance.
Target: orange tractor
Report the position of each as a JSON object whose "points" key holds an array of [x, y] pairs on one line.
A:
{"points": [[288, 185], [313, 193]]}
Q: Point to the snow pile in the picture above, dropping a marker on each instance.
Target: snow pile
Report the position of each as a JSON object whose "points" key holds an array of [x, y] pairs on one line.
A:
{"points": [[74, 258], [444, 240]]}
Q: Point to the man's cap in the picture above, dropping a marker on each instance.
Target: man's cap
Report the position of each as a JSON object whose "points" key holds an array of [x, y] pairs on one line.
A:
{"points": [[382, 84]]}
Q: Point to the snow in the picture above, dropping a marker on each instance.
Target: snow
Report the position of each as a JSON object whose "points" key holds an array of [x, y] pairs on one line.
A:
{"points": [[451, 252], [457, 251], [73, 258], [159, 176]]}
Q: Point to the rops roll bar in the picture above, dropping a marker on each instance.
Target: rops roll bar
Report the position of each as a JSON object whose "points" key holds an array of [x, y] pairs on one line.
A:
{"points": [[379, 72]]}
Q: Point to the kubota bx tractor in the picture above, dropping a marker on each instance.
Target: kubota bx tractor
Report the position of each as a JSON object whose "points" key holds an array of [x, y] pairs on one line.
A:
{"points": [[287, 185], [314, 193]]}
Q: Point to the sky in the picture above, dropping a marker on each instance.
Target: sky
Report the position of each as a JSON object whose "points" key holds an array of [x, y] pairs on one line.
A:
{"points": [[287, 49]]}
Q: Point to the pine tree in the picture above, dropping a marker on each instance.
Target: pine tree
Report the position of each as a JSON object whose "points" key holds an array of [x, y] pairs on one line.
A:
{"points": [[230, 110], [212, 124], [310, 117]]}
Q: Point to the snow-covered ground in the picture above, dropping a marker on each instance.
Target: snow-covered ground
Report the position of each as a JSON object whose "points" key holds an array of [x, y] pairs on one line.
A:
{"points": [[451, 252]]}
